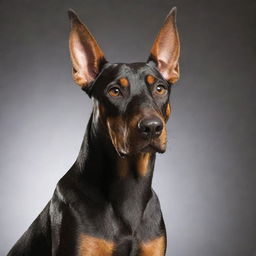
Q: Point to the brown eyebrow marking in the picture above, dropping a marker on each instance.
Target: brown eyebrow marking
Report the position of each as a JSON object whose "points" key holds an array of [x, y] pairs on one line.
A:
{"points": [[123, 81], [150, 79]]}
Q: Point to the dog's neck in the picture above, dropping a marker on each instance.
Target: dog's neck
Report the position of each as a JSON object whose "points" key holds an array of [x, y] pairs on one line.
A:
{"points": [[125, 182]]}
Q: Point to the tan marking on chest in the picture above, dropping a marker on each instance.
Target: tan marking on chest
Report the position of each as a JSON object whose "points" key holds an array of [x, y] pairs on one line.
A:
{"points": [[142, 164], [93, 246], [154, 247]]}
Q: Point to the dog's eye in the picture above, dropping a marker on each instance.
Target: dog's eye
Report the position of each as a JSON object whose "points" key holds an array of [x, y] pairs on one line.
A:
{"points": [[114, 92], [160, 90]]}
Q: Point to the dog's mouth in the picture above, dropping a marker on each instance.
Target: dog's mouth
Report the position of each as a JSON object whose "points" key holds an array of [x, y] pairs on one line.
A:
{"points": [[151, 146], [129, 142]]}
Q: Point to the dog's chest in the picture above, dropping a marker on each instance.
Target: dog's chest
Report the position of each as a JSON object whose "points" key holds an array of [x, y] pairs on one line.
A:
{"points": [[109, 235], [92, 246]]}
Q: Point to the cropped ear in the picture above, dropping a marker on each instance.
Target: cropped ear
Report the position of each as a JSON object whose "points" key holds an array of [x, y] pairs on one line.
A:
{"points": [[166, 49], [86, 56]]}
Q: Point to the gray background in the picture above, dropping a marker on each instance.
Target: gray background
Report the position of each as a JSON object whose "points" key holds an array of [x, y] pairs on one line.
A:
{"points": [[205, 180]]}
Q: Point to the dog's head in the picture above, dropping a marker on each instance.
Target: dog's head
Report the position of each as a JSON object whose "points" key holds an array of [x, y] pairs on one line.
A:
{"points": [[130, 100]]}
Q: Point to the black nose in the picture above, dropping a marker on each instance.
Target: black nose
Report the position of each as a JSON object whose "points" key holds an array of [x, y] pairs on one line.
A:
{"points": [[150, 127]]}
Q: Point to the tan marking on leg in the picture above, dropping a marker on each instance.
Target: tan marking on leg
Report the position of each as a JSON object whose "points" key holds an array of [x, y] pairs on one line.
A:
{"points": [[150, 79], [93, 246], [143, 162], [124, 81], [168, 111], [154, 247]]}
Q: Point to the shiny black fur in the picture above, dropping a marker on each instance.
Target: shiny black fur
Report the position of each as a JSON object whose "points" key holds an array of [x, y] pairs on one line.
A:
{"points": [[91, 198]]}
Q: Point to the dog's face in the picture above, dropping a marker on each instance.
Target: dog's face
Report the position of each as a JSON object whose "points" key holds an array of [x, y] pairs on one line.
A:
{"points": [[130, 100]]}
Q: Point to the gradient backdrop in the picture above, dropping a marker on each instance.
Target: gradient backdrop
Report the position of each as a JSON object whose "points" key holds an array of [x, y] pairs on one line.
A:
{"points": [[206, 181]]}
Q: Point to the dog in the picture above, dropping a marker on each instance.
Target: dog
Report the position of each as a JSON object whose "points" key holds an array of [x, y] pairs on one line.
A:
{"points": [[105, 205]]}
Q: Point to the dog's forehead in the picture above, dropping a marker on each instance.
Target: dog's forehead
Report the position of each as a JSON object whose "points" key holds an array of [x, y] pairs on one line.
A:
{"points": [[131, 71], [128, 69]]}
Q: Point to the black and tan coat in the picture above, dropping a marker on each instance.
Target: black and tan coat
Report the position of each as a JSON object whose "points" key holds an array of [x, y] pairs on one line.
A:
{"points": [[105, 205]]}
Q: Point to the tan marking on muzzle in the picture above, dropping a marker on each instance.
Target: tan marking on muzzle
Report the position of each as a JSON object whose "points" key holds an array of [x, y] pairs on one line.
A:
{"points": [[163, 137], [134, 121], [118, 133], [168, 111]]}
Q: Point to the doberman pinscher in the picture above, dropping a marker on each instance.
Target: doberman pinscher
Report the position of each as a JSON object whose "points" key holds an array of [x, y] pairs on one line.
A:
{"points": [[105, 205]]}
